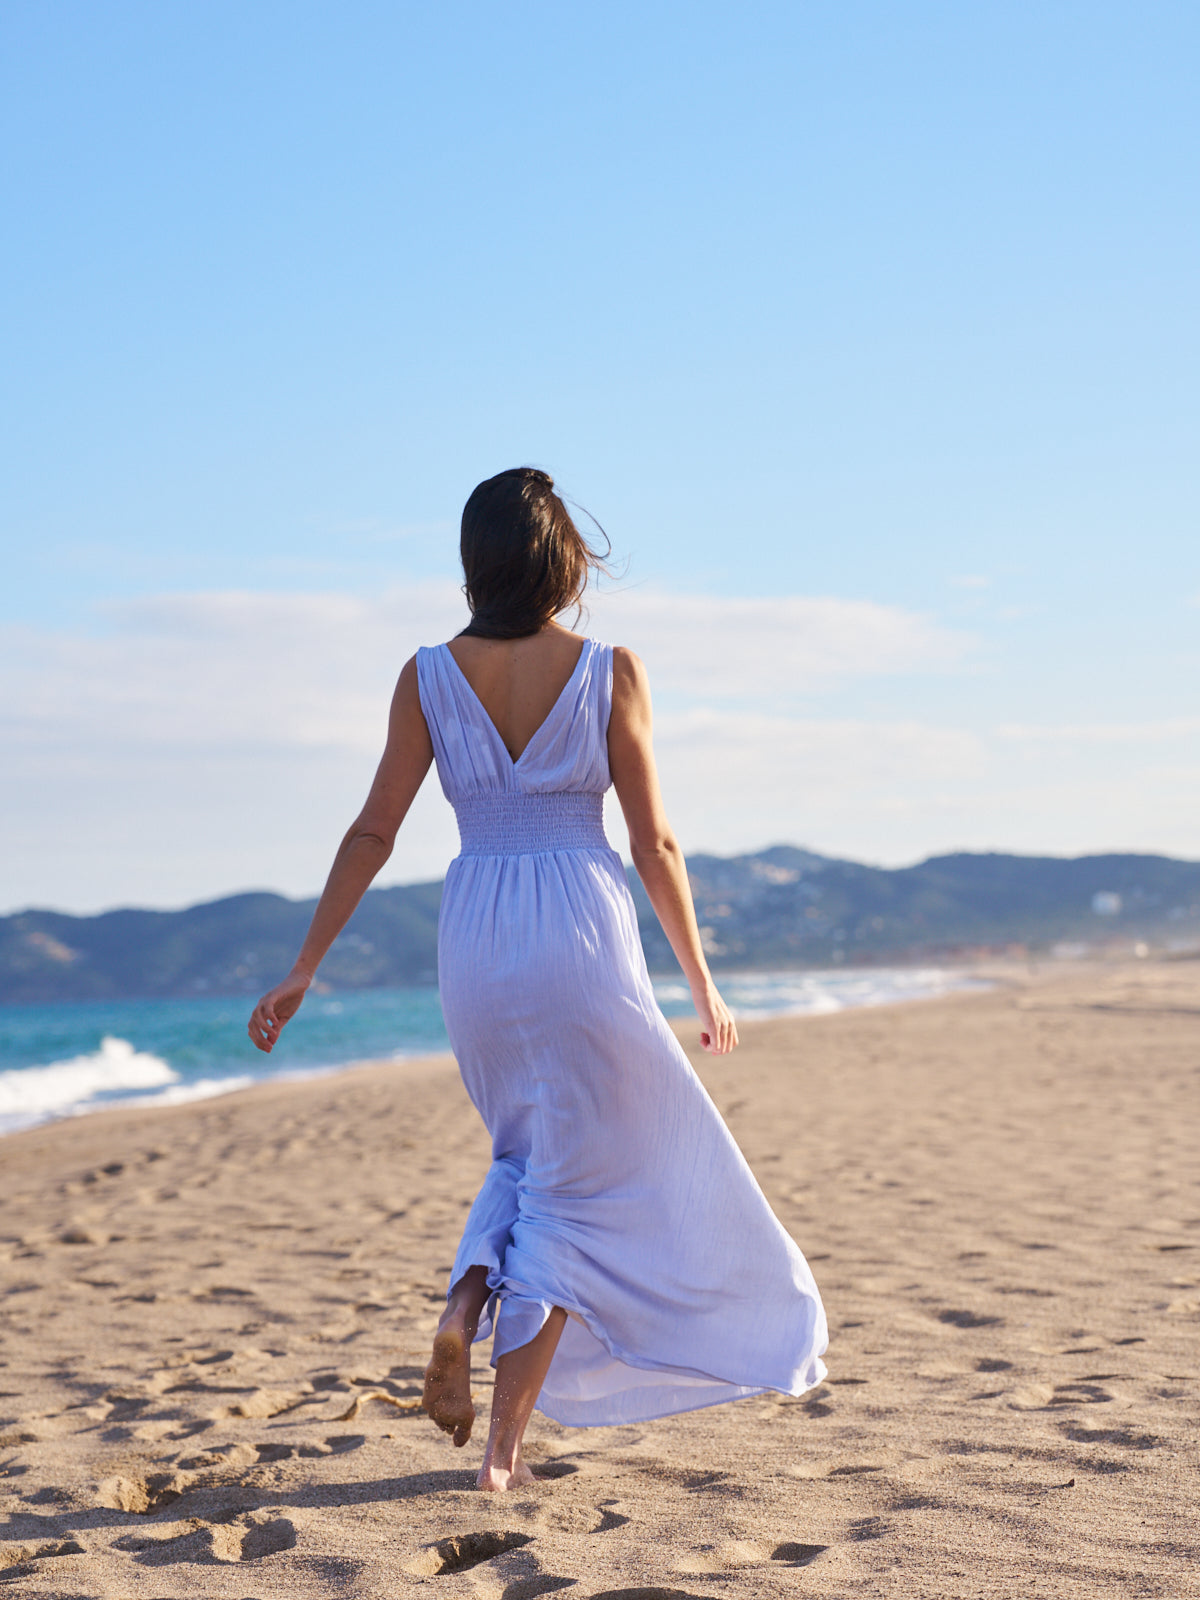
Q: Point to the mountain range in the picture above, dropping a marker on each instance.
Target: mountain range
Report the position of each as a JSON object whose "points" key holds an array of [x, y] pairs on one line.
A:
{"points": [[783, 907]]}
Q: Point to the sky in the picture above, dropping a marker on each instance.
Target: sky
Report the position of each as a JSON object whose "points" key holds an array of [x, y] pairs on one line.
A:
{"points": [[869, 333]]}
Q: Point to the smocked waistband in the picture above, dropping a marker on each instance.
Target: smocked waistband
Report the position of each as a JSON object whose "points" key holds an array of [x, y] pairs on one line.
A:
{"points": [[504, 824]]}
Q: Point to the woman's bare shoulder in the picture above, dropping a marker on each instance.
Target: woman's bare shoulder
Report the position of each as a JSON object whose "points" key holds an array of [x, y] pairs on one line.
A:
{"points": [[630, 667], [408, 682], [631, 683]]}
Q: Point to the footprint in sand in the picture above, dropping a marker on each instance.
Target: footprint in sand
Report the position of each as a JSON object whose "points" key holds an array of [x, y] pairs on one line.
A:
{"points": [[1081, 1393], [1120, 1436], [682, 1477], [79, 1233], [817, 1402], [336, 1445], [16, 1560], [868, 1528], [127, 1408], [729, 1555], [1032, 1397], [968, 1319], [552, 1469], [147, 1433], [189, 1430], [798, 1555], [264, 1403], [227, 1455], [213, 1469], [244, 1537], [538, 1583], [50, 1494], [206, 1357], [560, 1518], [642, 1593], [721, 1560], [156, 1491], [142, 1497], [462, 1551]]}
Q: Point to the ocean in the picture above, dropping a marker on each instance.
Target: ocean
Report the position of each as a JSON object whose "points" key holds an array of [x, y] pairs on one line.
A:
{"points": [[68, 1059]]}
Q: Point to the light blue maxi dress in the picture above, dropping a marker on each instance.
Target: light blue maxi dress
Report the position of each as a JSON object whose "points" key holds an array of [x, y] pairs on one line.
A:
{"points": [[615, 1191]]}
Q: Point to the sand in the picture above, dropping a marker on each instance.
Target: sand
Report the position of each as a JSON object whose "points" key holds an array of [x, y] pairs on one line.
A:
{"points": [[215, 1319]]}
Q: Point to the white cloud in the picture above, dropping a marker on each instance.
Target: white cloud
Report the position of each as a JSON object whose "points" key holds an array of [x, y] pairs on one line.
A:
{"points": [[770, 778], [227, 669], [761, 649], [896, 791], [801, 755], [318, 669], [1155, 731]]}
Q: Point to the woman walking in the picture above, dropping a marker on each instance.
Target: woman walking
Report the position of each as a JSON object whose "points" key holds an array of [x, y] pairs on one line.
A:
{"points": [[620, 1249]]}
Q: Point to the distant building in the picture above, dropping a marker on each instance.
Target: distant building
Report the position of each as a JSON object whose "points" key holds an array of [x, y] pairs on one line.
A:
{"points": [[1106, 904]]}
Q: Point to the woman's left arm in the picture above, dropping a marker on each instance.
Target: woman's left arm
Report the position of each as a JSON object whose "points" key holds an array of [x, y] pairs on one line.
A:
{"points": [[367, 845]]}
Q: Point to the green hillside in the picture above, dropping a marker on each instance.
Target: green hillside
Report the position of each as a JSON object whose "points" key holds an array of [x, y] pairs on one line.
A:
{"points": [[778, 907]]}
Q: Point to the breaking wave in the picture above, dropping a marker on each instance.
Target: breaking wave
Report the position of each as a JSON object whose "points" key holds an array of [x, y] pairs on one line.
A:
{"points": [[116, 1074]]}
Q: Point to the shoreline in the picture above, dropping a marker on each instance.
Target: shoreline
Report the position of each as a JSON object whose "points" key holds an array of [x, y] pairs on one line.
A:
{"points": [[136, 1055], [216, 1316]]}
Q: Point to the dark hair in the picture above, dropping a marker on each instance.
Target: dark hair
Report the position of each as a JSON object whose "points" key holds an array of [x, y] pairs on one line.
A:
{"points": [[523, 558]]}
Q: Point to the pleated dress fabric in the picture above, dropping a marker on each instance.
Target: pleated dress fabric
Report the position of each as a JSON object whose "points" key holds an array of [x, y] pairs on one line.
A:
{"points": [[615, 1189]]}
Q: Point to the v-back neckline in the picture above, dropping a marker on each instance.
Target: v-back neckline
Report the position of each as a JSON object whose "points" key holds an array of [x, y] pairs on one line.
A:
{"points": [[515, 761]]}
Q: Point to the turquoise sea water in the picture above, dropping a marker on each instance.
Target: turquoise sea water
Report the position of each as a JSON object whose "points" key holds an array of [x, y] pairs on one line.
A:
{"points": [[61, 1060]]}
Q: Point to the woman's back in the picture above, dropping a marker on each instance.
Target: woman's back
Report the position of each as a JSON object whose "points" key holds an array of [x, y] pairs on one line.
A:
{"points": [[518, 682], [501, 793]]}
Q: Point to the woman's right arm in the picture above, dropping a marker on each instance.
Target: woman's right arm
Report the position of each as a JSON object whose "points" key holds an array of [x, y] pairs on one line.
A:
{"points": [[366, 846], [654, 847]]}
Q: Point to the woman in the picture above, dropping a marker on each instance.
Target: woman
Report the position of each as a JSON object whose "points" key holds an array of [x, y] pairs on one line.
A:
{"points": [[620, 1246]]}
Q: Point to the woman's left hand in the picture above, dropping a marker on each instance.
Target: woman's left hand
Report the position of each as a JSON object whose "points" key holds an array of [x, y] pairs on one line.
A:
{"points": [[718, 1030], [276, 1008]]}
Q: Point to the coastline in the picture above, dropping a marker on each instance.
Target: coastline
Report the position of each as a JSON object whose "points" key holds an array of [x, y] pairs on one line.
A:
{"points": [[73, 1058], [217, 1313]]}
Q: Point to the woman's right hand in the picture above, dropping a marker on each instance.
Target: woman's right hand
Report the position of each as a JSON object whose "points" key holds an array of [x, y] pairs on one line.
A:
{"points": [[280, 1005], [718, 1030]]}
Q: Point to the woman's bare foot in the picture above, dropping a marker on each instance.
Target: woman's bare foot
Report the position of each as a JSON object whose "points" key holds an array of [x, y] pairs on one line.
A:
{"points": [[447, 1396], [520, 1374], [496, 1479]]}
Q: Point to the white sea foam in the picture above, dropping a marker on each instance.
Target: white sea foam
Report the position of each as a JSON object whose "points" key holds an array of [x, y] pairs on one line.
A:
{"points": [[756, 995], [178, 1094], [35, 1094]]}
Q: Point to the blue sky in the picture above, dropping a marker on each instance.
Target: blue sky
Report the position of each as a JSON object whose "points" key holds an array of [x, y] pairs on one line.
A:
{"points": [[877, 305]]}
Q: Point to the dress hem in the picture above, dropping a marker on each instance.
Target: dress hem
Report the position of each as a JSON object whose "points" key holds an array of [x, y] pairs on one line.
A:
{"points": [[575, 1415]]}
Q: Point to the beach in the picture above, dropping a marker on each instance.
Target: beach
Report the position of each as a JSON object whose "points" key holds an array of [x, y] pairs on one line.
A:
{"points": [[216, 1315]]}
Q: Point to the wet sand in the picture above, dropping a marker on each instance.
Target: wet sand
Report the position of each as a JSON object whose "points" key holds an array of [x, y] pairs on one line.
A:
{"points": [[215, 1319]]}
